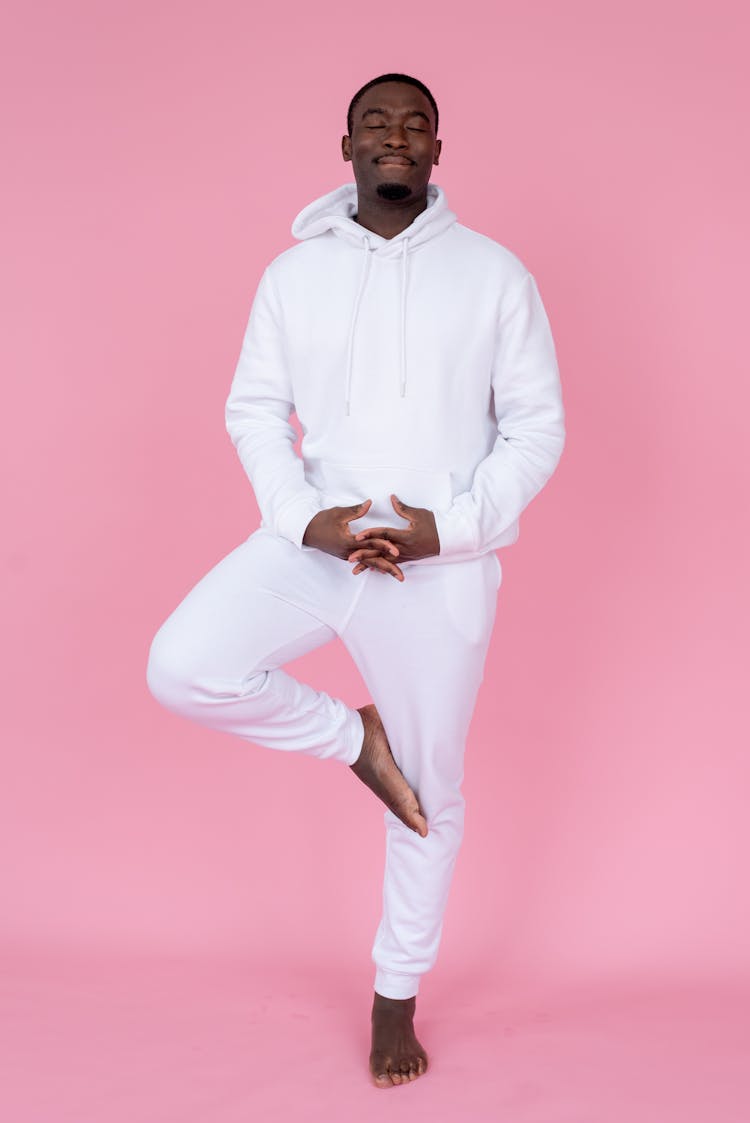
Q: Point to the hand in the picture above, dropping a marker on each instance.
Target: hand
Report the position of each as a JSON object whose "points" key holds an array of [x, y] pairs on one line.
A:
{"points": [[329, 531], [419, 540]]}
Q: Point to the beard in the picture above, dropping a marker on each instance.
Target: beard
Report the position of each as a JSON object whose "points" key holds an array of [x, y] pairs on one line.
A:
{"points": [[394, 190]]}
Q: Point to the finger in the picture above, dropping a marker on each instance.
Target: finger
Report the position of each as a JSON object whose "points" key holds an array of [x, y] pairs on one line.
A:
{"points": [[376, 546], [357, 511], [385, 566], [403, 510], [361, 558], [389, 533]]}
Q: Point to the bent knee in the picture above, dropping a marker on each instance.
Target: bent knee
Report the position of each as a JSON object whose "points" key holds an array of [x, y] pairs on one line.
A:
{"points": [[180, 678], [167, 676]]}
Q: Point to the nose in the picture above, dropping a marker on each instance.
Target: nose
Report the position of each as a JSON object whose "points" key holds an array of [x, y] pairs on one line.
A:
{"points": [[395, 137]]}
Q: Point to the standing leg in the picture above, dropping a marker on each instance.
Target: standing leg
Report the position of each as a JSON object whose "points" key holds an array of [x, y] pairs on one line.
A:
{"points": [[420, 646]]}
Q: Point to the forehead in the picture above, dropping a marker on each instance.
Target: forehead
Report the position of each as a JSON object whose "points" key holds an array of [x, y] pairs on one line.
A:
{"points": [[394, 97]]}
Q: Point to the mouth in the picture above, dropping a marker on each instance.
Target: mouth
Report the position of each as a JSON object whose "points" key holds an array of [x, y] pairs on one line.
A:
{"points": [[397, 160]]}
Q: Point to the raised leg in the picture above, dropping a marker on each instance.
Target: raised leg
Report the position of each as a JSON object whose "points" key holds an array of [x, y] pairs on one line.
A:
{"points": [[218, 658]]}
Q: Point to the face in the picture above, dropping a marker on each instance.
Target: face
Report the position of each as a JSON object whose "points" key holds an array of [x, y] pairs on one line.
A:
{"points": [[393, 146]]}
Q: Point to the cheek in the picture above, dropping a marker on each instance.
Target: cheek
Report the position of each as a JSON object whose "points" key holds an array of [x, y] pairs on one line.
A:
{"points": [[362, 157]]}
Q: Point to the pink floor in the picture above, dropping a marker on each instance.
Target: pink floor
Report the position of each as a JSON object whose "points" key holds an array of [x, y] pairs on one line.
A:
{"points": [[123, 1040]]}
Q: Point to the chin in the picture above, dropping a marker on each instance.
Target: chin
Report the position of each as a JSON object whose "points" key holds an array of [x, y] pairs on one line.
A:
{"points": [[394, 190]]}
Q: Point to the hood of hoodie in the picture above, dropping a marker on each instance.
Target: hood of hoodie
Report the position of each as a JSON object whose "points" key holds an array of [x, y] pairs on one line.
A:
{"points": [[335, 212]]}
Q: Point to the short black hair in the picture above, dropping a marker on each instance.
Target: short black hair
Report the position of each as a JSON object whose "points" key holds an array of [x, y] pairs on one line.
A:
{"points": [[389, 78]]}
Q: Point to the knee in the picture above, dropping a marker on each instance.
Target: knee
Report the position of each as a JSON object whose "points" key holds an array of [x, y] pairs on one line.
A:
{"points": [[167, 675], [183, 676]]}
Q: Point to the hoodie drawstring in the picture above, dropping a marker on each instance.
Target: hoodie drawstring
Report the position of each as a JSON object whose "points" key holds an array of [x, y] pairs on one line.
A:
{"points": [[360, 290], [404, 246], [355, 313]]}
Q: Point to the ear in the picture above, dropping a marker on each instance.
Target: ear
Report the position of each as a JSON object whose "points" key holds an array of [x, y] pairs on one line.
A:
{"points": [[346, 147], [438, 146]]}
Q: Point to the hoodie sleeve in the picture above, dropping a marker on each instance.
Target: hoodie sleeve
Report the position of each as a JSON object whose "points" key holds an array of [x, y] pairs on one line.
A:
{"points": [[530, 424], [257, 419]]}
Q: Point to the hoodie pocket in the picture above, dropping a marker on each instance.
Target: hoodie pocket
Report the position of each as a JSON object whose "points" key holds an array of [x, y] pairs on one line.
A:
{"points": [[347, 484], [470, 599]]}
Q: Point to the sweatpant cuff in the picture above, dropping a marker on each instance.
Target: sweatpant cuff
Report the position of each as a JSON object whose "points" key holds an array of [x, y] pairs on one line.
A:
{"points": [[355, 732], [392, 985]]}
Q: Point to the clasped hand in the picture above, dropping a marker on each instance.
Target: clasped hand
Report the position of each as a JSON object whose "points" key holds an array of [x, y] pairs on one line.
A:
{"points": [[329, 531]]}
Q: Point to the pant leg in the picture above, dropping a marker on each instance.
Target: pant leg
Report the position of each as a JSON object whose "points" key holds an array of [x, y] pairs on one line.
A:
{"points": [[217, 659], [420, 646]]}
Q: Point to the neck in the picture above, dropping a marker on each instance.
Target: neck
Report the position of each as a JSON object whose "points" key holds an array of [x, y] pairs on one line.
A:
{"points": [[388, 217]]}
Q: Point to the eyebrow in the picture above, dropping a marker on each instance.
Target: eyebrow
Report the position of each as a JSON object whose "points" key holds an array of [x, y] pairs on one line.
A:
{"points": [[408, 113]]}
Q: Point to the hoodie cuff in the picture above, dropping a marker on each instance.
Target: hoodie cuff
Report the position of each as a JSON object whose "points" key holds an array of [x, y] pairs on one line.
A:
{"points": [[455, 532], [295, 517]]}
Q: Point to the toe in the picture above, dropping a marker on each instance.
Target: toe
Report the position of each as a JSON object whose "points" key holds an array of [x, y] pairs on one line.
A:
{"points": [[380, 1068], [416, 820]]}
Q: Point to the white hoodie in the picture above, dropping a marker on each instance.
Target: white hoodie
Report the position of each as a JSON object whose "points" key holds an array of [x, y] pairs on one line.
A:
{"points": [[421, 365]]}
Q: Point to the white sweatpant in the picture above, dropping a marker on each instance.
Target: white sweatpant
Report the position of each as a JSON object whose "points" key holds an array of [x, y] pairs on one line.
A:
{"points": [[420, 646]]}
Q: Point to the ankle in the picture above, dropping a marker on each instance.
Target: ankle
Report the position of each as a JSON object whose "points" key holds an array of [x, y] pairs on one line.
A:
{"points": [[396, 1005]]}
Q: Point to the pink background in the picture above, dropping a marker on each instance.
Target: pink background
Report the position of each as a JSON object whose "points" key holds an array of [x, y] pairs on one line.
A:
{"points": [[154, 158]]}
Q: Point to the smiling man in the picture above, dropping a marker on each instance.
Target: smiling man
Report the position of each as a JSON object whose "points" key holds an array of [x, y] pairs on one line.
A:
{"points": [[419, 360]]}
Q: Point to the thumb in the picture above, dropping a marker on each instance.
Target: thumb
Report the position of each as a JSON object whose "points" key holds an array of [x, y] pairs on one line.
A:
{"points": [[354, 511]]}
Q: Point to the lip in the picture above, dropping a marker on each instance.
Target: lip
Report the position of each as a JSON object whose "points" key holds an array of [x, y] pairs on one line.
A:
{"points": [[395, 160]]}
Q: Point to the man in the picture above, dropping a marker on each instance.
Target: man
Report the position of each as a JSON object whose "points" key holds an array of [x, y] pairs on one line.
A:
{"points": [[419, 360]]}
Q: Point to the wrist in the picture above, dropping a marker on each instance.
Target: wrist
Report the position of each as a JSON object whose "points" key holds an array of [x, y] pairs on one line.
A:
{"points": [[309, 532]]}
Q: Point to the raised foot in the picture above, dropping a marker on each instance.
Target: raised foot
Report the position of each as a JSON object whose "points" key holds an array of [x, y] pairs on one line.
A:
{"points": [[376, 768], [396, 1056]]}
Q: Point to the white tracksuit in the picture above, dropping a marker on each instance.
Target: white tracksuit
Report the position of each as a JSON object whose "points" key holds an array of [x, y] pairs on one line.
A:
{"points": [[421, 366]]}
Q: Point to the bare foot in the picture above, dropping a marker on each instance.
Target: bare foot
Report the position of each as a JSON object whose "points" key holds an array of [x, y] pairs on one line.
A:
{"points": [[396, 1056], [376, 767]]}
